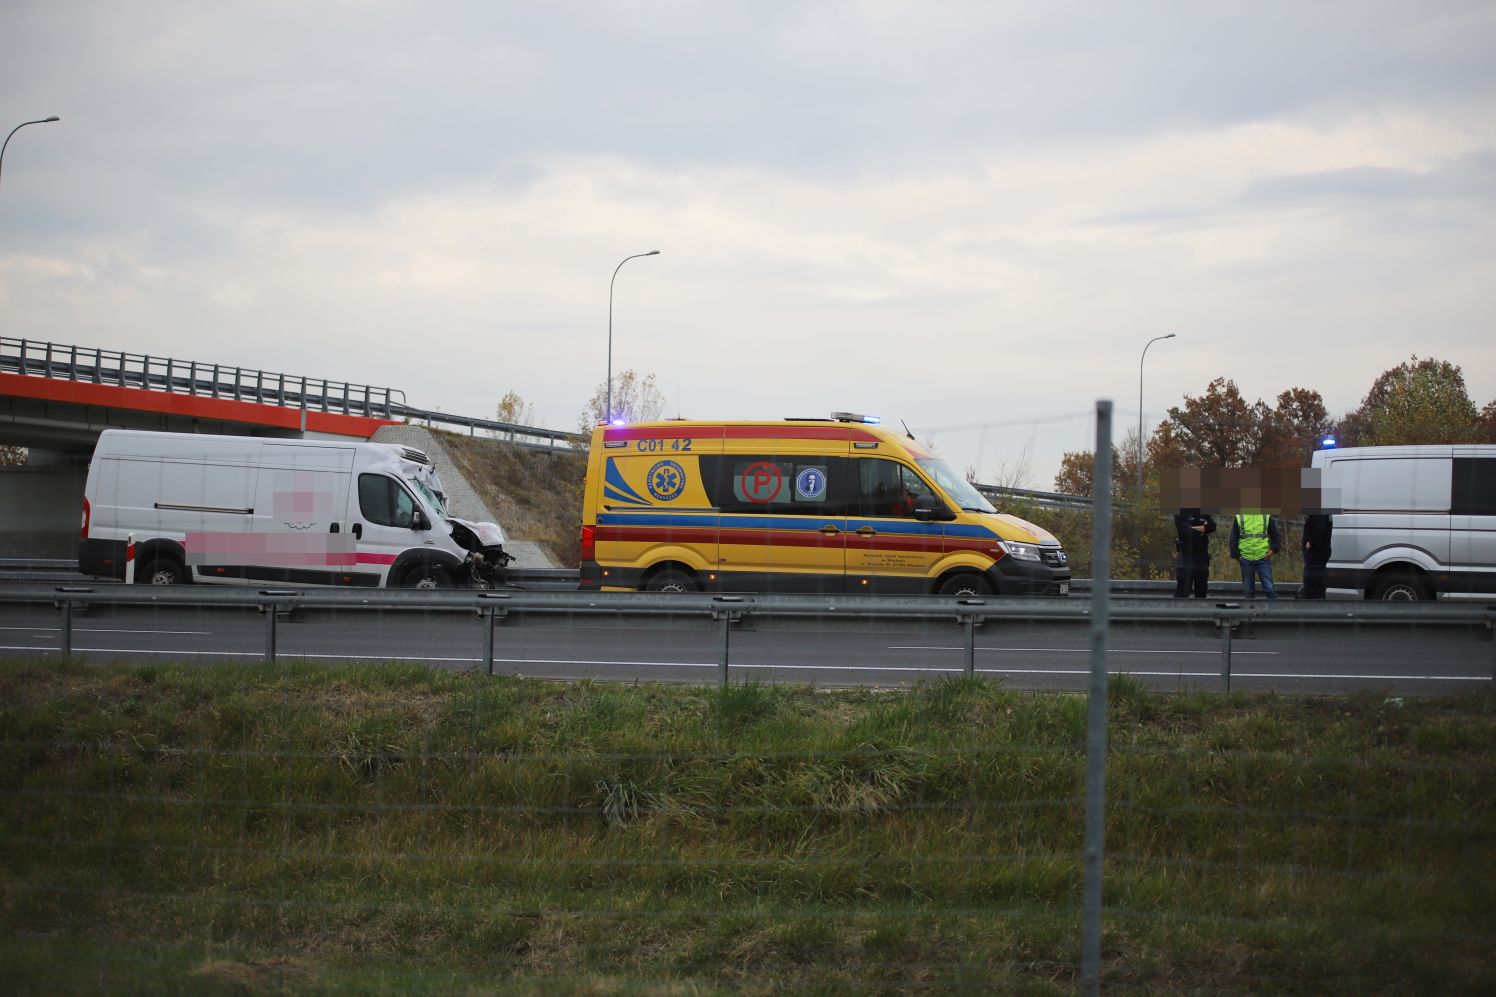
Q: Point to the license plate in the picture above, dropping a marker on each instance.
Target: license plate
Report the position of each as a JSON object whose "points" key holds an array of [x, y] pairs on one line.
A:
{"points": [[1064, 588]]}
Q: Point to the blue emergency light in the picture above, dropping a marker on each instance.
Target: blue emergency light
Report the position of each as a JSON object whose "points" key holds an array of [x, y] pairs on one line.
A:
{"points": [[1328, 443]]}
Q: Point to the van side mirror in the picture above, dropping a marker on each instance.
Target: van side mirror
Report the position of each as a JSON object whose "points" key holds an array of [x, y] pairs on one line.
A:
{"points": [[418, 521], [929, 509]]}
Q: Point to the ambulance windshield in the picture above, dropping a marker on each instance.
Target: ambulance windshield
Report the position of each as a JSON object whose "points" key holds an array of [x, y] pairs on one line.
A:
{"points": [[957, 487]]}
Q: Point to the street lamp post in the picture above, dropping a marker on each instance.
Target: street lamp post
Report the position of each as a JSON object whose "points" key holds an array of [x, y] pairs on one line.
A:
{"points": [[1140, 413], [38, 121], [608, 410]]}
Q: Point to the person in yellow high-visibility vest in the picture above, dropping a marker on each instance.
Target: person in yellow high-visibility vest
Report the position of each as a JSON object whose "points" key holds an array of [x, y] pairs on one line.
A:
{"points": [[1255, 538]]}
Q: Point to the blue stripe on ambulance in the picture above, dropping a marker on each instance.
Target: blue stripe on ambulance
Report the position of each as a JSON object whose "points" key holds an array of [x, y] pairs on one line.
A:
{"points": [[890, 527], [615, 488]]}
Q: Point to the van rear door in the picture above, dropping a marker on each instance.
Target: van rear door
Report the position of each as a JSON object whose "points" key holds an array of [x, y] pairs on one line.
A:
{"points": [[1472, 546]]}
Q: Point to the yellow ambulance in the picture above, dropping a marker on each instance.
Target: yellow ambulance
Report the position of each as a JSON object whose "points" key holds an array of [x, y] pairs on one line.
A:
{"points": [[798, 505]]}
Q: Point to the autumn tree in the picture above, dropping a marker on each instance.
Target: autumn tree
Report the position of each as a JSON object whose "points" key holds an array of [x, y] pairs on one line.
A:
{"points": [[1488, 422], [514, 410], [635, 399], [1419, 401], [1219, 428], [1294, 429]]}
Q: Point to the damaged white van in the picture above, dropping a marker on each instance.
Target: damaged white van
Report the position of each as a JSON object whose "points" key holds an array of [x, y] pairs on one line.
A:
{"points": [[240, 510]]}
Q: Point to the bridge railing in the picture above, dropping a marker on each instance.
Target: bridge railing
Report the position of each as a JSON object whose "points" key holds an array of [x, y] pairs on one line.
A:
{"points": [[119, 368]]}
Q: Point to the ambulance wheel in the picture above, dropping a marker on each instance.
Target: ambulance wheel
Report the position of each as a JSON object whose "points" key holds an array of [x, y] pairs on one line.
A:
{"points": [[671, 580], [428, 576], [160, 571], [966, 586]]}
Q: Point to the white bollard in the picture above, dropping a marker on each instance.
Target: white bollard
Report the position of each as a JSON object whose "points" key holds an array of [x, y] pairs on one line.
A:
{"points": [[130, 559]]}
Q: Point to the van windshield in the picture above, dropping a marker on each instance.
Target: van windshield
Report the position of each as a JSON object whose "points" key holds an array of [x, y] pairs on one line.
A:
{"points": [[430, 497], [957, 487]]}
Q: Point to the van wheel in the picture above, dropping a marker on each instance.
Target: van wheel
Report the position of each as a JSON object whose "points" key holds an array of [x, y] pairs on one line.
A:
{"points": [[671, 580], [1401, 588], [966, 586], [160, 571], [428, 576]]}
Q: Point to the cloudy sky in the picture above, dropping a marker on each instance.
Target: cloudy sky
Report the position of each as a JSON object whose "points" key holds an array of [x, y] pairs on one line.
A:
{"points": [[968, 216]]}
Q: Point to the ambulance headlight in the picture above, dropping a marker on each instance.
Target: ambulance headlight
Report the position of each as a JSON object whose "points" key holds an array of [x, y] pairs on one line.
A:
{"points": [[1020, 551]]}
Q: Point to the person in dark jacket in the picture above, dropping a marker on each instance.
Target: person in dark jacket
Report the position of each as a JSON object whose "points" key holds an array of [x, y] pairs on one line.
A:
{"points": [[1317, 529], [1192, 529]]}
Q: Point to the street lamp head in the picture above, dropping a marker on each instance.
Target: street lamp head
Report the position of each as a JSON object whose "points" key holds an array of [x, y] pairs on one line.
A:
{"points": [[52, 118], [653, 252], [1170, 336]]}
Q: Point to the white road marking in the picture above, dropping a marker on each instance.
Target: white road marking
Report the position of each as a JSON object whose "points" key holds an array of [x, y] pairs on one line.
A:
{"points": [[259, 652], [101, 630], [1069, 650]]}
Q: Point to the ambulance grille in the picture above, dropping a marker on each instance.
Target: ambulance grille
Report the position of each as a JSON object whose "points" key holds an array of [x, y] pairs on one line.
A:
{"points": [[414, 455]]}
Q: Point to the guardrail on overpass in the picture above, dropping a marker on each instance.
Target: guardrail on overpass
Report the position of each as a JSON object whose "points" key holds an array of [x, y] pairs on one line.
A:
{"points": [[495, 607], [194, 379]]}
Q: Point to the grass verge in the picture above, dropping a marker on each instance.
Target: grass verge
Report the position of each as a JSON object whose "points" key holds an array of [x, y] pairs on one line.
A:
{"points": [[318, 828]]}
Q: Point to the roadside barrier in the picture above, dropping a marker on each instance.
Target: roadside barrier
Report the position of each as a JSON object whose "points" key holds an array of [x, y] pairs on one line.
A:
{"points": [[493, 608]]}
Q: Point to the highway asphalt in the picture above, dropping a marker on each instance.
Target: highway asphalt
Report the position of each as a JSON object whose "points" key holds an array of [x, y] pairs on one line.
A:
{"points": [[1050, 655]]}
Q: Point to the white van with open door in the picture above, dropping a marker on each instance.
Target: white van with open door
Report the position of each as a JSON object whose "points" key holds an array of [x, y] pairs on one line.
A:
{"points": [[1411, 522], [239, 510]]}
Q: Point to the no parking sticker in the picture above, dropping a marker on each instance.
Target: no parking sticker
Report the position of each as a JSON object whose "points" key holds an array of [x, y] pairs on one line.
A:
{"points": [[760, 482]]}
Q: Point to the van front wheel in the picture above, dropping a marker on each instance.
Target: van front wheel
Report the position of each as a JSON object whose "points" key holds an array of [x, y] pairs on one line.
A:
{"points": [[428, 576], [1401, 588], [966, 586], [671, 580]]}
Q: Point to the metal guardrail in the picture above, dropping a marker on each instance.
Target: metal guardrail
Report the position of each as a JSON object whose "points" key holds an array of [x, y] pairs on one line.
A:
{"points": [[59, 571], [119, 368], [63, 571], [1044, 500], [495, 607], [525, 436]]}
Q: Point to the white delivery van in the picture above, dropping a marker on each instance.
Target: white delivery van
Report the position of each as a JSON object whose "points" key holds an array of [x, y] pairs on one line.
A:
{"points": [[240, 510], [1411, 522]]}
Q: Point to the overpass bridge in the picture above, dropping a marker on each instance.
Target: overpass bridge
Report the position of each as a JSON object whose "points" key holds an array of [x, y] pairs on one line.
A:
{"points": [[56, 399]]}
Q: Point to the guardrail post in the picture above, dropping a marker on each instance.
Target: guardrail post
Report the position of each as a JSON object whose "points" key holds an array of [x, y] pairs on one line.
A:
{"points": [[269, 608], [67, 628], [67, 617], [725, 615], [1227, 625], [969, 623], [492, 614]]}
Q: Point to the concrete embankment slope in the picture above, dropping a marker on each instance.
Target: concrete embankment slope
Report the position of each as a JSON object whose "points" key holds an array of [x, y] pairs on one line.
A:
{"points": [[464, 495]]}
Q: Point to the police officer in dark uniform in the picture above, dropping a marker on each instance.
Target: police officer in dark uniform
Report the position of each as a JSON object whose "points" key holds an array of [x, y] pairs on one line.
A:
{"points": [[1192, 547], [1317, 529]]}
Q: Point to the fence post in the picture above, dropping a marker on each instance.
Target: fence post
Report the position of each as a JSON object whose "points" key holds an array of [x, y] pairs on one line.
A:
{"points": [[1101, 571]]}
